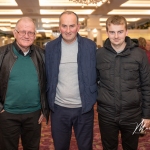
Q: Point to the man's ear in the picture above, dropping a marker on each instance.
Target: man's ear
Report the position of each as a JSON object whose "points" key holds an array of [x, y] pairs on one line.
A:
{"points": [[14, 33]]}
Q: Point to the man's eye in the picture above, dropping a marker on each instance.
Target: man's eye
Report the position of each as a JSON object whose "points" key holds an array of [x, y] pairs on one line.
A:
{"points": [[111, 32]]}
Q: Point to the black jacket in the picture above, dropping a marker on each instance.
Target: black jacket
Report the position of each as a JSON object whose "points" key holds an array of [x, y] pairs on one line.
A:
{"points": [[7, 59], [124, 82]]}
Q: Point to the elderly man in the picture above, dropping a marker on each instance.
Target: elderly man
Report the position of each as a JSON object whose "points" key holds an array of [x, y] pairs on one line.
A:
{"points": [[22, 89]]}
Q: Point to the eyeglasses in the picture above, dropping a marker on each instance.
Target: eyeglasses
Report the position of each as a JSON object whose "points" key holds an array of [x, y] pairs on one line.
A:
{"points": [[140, 129], [23, 33]]}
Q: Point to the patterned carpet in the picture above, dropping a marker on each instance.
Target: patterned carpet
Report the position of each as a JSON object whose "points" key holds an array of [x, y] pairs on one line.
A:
{"points": [[47, 142]]}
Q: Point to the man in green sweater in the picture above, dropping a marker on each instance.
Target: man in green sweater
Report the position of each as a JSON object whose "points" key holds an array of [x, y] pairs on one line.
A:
{"points": [[23, 101]]}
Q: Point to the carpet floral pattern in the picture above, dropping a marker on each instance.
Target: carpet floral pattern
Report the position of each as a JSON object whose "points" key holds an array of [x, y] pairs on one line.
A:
{"points": [[47, 141]]}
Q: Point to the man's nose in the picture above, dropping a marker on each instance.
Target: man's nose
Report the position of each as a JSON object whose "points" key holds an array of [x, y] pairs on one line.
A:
{"points": [[116, 35], [68, 29], [26, 34]]}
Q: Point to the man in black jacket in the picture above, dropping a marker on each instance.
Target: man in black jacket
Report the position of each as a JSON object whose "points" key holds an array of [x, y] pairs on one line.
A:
{"points": [[23, 101], [124, 88]]}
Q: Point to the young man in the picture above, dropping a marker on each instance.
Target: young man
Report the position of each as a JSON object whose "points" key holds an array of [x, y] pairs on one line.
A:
{"points": [[71, 83], [124, 87], [22, 89]]}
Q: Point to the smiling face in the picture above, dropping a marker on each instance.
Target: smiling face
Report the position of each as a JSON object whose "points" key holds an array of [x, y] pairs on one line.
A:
{"points": [[69, 27], [117, 34], [116, 27], [24, 41]]}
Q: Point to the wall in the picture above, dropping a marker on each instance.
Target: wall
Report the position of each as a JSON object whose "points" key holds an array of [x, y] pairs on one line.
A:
{"points": [[139, 33]]}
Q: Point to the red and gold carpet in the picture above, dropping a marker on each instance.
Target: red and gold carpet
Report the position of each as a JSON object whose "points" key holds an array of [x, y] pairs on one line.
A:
{"points": [[47, 142]]}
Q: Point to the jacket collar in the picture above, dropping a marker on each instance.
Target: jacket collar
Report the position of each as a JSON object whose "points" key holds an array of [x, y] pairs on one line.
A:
{"points": [[78, 37], [20, 51], [129, 45]]}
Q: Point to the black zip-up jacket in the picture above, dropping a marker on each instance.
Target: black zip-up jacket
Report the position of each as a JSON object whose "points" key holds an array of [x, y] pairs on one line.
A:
{"points": [[124, 82], [8, 58]]}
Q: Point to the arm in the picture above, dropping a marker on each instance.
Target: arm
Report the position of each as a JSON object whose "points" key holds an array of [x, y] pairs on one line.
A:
{"points": [[145, 89]]}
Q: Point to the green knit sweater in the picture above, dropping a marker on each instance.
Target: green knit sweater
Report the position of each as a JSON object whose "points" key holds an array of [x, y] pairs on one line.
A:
{"points": [[23, 93]]}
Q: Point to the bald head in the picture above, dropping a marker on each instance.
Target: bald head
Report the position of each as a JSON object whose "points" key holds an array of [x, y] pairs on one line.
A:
{"points": [[25, 19], [68, 13]]}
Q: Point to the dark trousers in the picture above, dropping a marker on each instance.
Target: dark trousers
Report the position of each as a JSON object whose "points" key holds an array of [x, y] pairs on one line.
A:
{"points": [[13, 126], [110, 131], [62, 121]]}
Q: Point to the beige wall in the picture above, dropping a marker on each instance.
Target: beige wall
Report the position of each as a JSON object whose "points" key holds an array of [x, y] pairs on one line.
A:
{"points": [[139, 33]]}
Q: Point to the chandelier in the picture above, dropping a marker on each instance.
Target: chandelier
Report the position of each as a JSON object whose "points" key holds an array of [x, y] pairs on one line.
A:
{"points": [[87, 2]]}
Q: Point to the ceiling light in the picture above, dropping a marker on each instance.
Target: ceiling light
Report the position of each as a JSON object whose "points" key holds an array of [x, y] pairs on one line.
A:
{"points": [[5, 28], [8, 3], [13, 25], [59, 11], [66, 3], [50, 25], [128, 19], [4, 24], [136, 3], [102, 24], [10, 11], [129, 12], [50, 20], [43, 30], [94, 30], [87, 2], [12, 20], [132, 19]]}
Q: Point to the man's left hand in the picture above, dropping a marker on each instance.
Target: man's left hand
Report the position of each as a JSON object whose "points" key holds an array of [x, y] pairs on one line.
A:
{"points": [[146, 123], [40, 119]]}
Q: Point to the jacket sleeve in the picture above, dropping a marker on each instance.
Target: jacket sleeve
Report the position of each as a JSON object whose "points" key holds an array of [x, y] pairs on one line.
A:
{"points": [[145, 87], [2, 55]]}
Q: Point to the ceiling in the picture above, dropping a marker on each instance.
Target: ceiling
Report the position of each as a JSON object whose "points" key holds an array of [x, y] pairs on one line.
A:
{"points": [[46, 12]]}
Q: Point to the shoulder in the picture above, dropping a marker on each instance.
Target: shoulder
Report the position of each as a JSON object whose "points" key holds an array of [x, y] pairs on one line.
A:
{"points": [[87, 45], [37, 49], [87, 41], [101, 50], [53, 42], [4, 48], [138, 51], [52, 45], [40, 52]]}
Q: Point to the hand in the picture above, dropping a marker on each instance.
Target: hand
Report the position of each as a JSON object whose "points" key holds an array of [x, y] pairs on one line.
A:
{"points": [[2, 111], [146, 123], [40, 119]]}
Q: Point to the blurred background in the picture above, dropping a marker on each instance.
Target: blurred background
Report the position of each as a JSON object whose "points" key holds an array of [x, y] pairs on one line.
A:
{"points": [[92, 17]]}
